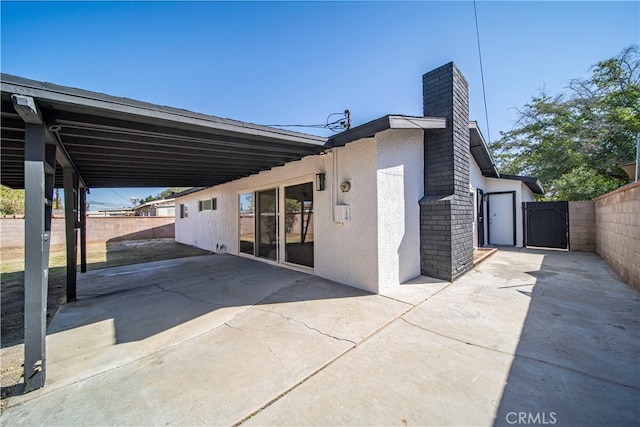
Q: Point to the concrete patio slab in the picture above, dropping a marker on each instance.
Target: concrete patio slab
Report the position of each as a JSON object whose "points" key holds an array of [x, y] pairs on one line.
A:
{"points": [[324, 306], [126, 313], [488, 307], [566, 308], [416, 290], [487, 349], [216, 379], [401, 376], [224, 340], [226, 333]]}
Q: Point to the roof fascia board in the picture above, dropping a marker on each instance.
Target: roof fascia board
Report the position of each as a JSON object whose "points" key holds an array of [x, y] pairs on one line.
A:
{"points": [[92, 100], [190, 191], [530, 181], [373, 127], [406, 122]]}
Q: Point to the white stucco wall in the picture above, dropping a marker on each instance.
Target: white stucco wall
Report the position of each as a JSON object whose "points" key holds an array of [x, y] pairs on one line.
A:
{"points": [[202, 229], [523, 193], [475, 174], [346, 253], [400, 186], [477, 182]]}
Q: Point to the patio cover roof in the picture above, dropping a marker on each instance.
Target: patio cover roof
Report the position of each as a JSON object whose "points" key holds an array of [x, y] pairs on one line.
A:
{"points": [[119, 142]]}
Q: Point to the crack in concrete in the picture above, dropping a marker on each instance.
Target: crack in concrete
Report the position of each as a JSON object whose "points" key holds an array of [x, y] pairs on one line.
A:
{"points": [[398, 300], [47, 391], [308, 327], [273, 353], [523, 357], [112, 293], [185, 295], [233, 327]]}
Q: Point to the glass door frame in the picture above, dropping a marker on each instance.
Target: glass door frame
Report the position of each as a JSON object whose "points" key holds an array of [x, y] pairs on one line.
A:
{"points": [[280, 191], [258, 224]]}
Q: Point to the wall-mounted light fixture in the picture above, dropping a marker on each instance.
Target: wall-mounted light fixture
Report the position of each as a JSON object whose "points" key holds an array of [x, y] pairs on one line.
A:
{"points": [[320, 181]]}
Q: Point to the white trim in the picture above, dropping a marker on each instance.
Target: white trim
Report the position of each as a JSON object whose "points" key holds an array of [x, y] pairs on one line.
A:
{"points": [[405, 122]]}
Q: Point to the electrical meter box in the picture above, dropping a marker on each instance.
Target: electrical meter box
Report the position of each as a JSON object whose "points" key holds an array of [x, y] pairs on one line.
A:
{"points": [[342, 213]]}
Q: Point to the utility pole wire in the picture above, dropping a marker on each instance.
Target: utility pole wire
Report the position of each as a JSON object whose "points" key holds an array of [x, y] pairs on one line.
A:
{"points": [[484, 93]]}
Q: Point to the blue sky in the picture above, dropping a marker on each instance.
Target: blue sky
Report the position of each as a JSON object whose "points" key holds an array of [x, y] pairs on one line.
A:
{"points": [[297, 62]]}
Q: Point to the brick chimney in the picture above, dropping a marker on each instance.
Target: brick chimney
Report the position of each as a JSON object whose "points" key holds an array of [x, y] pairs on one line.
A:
{"points": [[446, 211]]}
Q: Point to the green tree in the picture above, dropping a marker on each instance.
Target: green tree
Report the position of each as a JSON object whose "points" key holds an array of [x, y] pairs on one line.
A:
{"points": [[164, 194], [169, 192], [11, 201], [576, 141]]}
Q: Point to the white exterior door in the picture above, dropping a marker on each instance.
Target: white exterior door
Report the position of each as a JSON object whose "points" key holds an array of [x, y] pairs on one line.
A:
{"points": [[501, 218]]}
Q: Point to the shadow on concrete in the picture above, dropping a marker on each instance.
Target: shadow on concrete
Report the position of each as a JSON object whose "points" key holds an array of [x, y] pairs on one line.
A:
{"points": [[118, 253], [552, 379], [144, 300]]}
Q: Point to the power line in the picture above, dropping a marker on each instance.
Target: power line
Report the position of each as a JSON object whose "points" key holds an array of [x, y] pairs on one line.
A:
{"points": [[484, 93], [120, 195], [343, 123], [95, 202]]}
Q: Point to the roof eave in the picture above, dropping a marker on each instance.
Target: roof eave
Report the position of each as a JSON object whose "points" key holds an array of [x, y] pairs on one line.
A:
{"points": [[532, 182], [370, 129], [480, 152], [46, 92]]}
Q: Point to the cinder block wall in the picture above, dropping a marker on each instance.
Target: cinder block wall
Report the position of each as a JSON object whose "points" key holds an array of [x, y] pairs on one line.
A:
{"points": [[617, 220], [582, 226], [98, 230]]}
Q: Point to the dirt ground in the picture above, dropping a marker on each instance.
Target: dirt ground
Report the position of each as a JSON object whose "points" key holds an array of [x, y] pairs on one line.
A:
{"points": [[99, 255]]}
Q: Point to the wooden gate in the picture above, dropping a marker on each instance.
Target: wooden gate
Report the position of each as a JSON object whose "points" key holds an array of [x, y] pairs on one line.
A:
{"points": [[546, 224]]}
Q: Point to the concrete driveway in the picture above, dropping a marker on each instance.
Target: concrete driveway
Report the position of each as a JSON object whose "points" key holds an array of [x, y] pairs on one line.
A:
{"points": [[528, 337]]}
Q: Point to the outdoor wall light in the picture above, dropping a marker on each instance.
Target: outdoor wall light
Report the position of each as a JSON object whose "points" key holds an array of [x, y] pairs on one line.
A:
{"points": [[320, 181]]}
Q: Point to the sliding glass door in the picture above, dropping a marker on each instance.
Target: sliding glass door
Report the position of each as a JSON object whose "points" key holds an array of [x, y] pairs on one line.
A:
{"points": [[261, 214], [298, 206], [267, 229], [247, 223]]}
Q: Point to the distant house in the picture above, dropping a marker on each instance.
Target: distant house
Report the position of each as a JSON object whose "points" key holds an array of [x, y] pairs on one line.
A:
{"points": [[384, 202], [111, 213], [164, 207]]}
